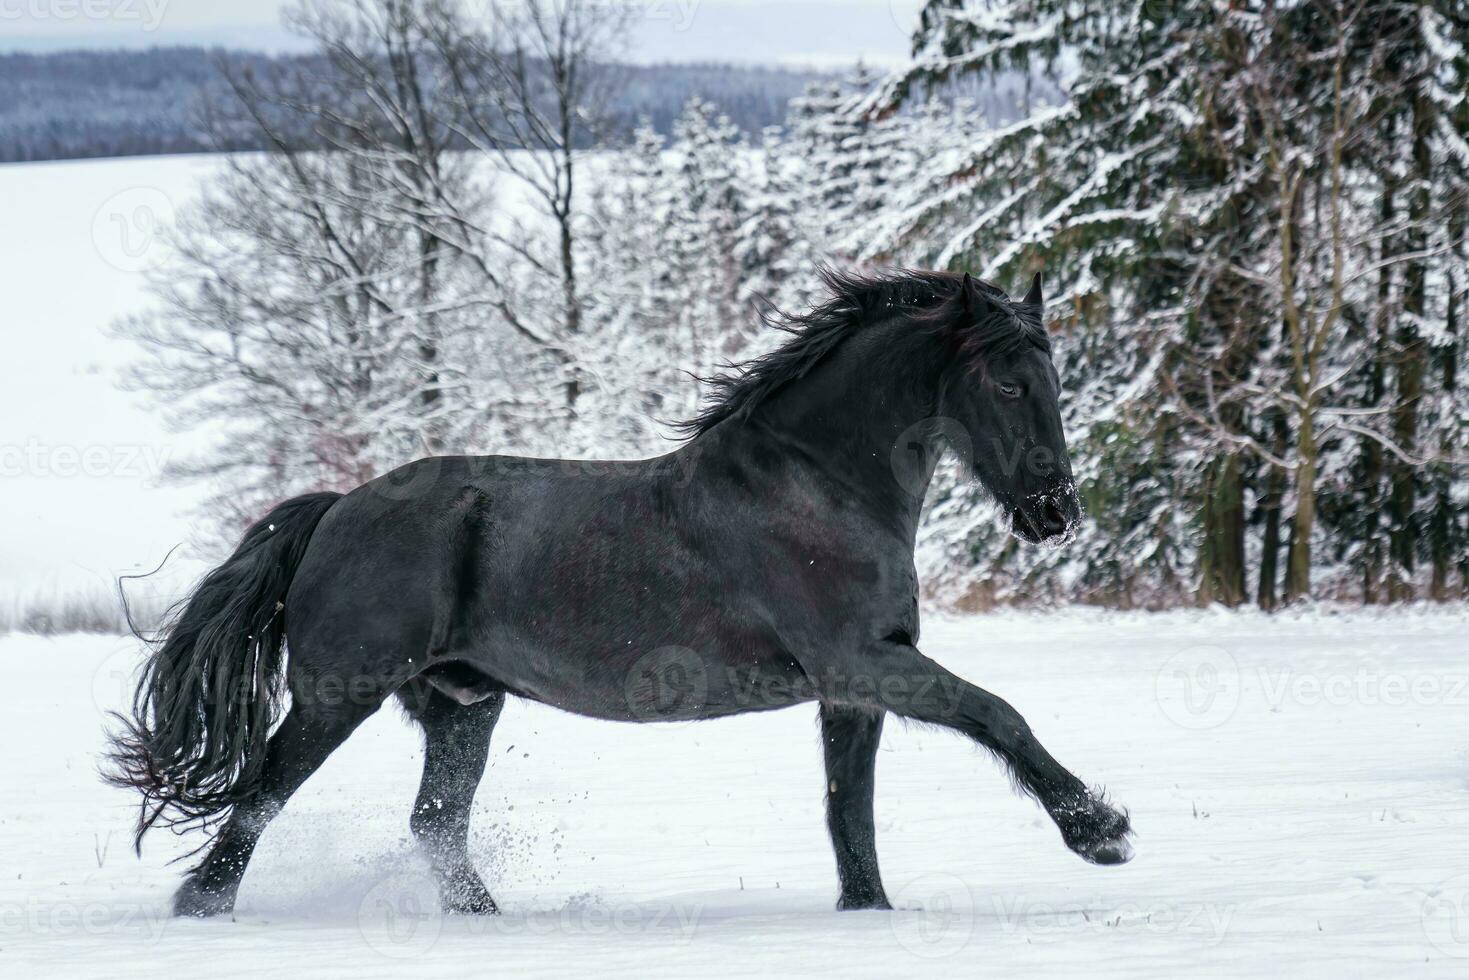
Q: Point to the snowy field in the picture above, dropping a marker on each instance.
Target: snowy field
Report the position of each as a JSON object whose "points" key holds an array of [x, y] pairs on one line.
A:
{"points": [[80, 460], [1300, 787]]}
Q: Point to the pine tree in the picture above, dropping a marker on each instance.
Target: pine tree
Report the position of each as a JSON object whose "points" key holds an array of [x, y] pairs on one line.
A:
{"points": [[1199, 198], [710, 208], [634, 348], [776, 259], [690, 239]]}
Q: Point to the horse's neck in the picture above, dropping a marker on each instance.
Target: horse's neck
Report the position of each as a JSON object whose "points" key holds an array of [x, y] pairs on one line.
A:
{"points": [[855, 423]]}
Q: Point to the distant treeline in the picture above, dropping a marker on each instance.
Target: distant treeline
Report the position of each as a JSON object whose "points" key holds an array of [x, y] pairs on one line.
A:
{"points": [[78, 104]]}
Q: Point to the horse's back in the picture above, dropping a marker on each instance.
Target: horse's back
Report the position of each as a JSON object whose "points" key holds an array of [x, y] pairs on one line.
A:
{"points": [[555, 578], [500, 543]]}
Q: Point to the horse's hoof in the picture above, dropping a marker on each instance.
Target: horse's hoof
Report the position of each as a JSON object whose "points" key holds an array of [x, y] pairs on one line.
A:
{"points": [[877, 901], [1118, 850], [485, 906], [191, 901], [1095, 831], [464, 895]]}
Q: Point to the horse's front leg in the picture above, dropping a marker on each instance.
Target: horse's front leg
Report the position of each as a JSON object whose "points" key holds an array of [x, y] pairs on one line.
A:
{"points": [[849, 739], [894, 676]]}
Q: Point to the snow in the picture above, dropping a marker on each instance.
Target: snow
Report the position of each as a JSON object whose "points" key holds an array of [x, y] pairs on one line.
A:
{"points": [[80, 458], [1297, 783]]}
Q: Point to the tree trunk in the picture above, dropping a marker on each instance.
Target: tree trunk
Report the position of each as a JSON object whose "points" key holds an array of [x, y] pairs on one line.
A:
{"points": [[1270, 504], [1403, 536], [1371, 523], [1448, 541], [566, 111], [1222, 558], [1266, 597], [428, 348], [1412, 356], [1374, 502], [570, 299], [1443, 524], [1298, 566]]}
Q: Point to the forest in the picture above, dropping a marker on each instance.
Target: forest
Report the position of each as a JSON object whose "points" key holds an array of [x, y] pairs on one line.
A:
{"points": [[85, 104], [1250, 218]]}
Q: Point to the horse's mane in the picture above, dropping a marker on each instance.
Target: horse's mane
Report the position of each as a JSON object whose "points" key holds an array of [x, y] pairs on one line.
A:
{"points": [[936, 300]]}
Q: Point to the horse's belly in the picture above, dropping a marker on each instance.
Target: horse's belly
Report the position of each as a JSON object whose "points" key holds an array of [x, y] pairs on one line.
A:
{"points": [[652, 683]]}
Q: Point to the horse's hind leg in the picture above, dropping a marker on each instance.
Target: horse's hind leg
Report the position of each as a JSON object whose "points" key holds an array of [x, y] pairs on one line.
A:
{"points": [[849, 739], [456, 747], [306, 736]]}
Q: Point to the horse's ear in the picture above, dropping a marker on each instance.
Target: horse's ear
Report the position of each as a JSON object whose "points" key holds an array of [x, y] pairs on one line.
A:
{"points": [[966, 293], [1034, 296]]}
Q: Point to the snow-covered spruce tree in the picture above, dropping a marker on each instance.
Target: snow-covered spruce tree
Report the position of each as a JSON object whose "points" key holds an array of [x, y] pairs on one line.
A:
{"points": [[1197, 289], [777, 259], [1399, 525], [635, 378], [817, 129], [709, 207], [1446, 34], [1351, 148], [846, 161], [691, 241], [918, 149]]}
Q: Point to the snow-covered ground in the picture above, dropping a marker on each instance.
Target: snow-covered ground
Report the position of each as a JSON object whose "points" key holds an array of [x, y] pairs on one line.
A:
{"points": [[1299, 784], [1300, 787]]}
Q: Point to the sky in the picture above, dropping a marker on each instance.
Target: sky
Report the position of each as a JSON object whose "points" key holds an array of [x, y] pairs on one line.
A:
{"points": [[810, 32]]}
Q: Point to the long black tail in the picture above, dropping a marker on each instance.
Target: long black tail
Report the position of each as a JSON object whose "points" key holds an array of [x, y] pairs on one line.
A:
{"points": [[210, 690]]}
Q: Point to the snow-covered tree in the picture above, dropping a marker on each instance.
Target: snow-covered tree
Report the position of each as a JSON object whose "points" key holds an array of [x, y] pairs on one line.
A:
{"points": [[709, 203], [353, 299], [1196, 302], [690, 237], [317, 310], [777, 259], [634, 375]]}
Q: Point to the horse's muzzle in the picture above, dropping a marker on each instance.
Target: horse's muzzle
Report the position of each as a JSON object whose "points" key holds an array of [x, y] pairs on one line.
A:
{"points": [[1048, 517]]}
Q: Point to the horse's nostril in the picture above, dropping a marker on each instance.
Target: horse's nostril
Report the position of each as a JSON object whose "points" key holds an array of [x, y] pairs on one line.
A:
{"points": [[1053, 516]]}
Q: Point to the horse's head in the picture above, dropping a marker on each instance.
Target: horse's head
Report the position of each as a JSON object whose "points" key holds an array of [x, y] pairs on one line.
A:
{"points": [[1006, 394]]}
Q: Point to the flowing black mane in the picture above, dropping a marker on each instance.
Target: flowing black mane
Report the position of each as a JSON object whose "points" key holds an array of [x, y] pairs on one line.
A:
{"points": [[985, 319]]}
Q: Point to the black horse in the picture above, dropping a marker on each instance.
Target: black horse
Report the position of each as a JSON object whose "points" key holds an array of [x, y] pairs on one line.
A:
{"points": [[767, 561]]}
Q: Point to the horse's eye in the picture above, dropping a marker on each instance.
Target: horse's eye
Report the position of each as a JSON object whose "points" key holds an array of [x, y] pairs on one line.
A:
{"points": [[1009, 389]]}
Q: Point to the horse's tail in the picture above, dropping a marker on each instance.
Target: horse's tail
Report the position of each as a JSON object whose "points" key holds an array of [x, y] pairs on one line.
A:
{"points": [[210, 689]]}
